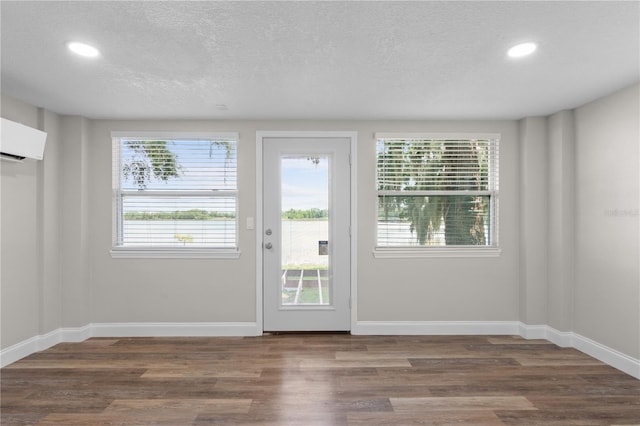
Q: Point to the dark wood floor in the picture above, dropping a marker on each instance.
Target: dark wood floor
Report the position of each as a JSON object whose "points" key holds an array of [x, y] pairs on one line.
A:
{"points": [[316, 380]]}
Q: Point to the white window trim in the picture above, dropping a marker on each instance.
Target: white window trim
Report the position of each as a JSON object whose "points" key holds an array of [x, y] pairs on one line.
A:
{"points": [[426, 252], [420, 252], [120, 252], [173, 253]]}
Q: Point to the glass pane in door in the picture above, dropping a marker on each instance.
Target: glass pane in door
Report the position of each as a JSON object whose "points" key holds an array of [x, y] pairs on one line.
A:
{"points": [[305, 230]]}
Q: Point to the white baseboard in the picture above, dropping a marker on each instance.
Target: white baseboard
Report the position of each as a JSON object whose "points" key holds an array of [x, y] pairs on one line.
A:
{"points": [[532, 331], [45, 341], [592, 348], [607, 355], [20, 350], [563, 339], [42, 342], [435, 327]]}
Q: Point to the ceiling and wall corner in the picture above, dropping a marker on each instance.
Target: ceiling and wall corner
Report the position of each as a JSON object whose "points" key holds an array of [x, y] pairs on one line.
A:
{"points": [[317, 60]]}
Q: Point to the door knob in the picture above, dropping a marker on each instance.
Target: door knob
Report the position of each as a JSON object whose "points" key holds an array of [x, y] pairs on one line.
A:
{"points": [[268, 246]]}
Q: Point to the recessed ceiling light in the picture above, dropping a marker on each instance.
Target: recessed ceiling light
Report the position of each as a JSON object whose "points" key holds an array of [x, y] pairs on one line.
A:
{"points": [[523, 49], [83, 49]]}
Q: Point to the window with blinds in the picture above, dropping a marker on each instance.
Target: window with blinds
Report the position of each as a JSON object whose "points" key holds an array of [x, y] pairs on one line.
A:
{"points": [[175, 193], [437, 192]]}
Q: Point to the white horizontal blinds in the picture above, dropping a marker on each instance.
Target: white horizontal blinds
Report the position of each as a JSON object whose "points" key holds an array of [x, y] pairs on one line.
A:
{"points": [[178, 193], [434, 165], [436, 192], [187, 165]]}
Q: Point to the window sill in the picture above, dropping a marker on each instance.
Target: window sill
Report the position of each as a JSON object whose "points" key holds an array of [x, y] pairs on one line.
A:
{"points": [[173, 253], [426, 252]]}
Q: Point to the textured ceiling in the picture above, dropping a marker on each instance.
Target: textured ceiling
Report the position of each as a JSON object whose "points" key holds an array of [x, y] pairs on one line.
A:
{"points": [[318, 60]]}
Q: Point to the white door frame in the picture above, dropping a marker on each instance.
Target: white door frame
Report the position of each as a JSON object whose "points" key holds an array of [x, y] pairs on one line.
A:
{"points": [[260, 135]]}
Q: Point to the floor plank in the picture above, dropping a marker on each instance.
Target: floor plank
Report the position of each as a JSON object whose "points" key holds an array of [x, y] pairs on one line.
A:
{"points": [[460, 403], [316, 379], [440, 418]]}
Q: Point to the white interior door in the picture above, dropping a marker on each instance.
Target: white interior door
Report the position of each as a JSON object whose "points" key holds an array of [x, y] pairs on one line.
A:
{"points": [[306, 227]]}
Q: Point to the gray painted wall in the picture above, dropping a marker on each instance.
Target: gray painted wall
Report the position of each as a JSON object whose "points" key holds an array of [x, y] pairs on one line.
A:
{"points": [[533, 219], [408, 290], [57, 270], [30, 268], [560, 218], [607, 234]]}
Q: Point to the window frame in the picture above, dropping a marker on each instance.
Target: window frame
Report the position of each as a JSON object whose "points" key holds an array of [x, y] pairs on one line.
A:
{"points": [[454, 251], [177, 252]]}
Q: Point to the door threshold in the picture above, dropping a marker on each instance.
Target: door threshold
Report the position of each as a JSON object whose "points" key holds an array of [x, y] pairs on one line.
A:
{"points": [[325, 332]]}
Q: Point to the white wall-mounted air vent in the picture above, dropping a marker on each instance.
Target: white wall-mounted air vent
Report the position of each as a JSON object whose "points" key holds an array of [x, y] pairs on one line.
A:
{"points": [[18, 141]]}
